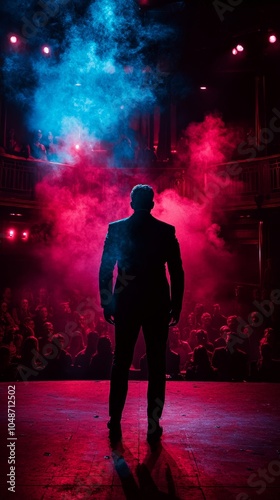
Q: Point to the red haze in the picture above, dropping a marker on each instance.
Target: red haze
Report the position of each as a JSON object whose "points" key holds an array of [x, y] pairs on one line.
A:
{"points": [[81, 200]]}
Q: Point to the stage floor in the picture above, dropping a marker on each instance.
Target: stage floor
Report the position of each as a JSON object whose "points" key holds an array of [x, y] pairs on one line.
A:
{"points": [[220, 442]]}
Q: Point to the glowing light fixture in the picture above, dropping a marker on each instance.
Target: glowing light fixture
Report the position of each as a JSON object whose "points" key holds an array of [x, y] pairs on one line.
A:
{"points": [[77, 146], [272, 39], [235, 51], [11, 233], [24, 235], [239, 48], [46, 50], [13, 39], [203, 88]]}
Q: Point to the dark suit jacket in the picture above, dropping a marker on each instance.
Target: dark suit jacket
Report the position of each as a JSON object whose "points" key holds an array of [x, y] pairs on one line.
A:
{"points": [[141, 246]]}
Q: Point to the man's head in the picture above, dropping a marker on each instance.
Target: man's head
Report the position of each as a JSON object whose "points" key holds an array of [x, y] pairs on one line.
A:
{"points": [[43, 313], [142, 197], [216, 309], [24, 304], [232, 322], [48, 329], [202, 337], [206, 319]]}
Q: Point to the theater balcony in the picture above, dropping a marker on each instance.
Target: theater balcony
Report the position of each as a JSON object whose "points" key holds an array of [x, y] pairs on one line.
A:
{"points": [[243, 185]]}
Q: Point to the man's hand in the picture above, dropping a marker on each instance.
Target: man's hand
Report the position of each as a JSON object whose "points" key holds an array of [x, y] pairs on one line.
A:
{"points": [[108, 315], [173, 317]]}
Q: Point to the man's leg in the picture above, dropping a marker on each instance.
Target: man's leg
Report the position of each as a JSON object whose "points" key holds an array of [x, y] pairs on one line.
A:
{"points": [[155, 334], [126, 333]]}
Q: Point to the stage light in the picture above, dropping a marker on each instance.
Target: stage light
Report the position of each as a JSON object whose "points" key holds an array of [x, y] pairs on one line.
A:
{"points": [[11, 233], [234, 51], [13, 39], [24, 235], [203, 88], [46, 50], [272, 39], [239, 48], [77, 146]]}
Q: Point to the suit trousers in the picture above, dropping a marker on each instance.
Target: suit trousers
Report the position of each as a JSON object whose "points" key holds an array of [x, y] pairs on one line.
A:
{"points": [[155, 331]]}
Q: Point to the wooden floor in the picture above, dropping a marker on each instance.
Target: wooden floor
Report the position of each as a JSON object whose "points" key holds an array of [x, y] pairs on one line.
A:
{"points": [[220, 442]]}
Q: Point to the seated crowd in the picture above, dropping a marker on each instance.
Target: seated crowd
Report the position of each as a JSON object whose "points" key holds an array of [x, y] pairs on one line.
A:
{"points": [[47, 337]]}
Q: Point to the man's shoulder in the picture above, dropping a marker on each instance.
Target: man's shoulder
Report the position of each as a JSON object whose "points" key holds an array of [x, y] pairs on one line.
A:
{"points": [[118, 223], [163, 225]]}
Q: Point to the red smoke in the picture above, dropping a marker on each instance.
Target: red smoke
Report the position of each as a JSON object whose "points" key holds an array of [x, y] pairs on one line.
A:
{"points": [[81, 200], [208, 143]]}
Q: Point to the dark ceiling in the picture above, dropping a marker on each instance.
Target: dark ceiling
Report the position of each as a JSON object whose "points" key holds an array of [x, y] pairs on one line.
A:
{"points": [[200, 50]]}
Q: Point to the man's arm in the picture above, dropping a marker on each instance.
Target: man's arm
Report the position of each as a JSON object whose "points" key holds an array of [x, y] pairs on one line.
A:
{"points": [[108, 262], [175, 268]]}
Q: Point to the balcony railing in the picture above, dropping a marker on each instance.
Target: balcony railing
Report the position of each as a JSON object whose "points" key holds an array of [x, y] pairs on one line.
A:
{"points": [[239, 185]]}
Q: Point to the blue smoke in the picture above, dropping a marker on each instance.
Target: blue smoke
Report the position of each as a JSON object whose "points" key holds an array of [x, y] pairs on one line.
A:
{"points": [[95, 78]]}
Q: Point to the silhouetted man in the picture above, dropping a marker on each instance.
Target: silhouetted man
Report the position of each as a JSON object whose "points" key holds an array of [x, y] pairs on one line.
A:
{"points": [[141, 246]]}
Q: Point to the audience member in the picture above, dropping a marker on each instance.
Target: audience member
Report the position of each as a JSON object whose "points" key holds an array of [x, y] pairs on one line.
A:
{"points": [[38, 149], [22, 312], [6, 319], [188, 328], [257, 332], [42, 316], [202, 340], [46, 335], [101, 362], [192, 340], [76, 344], [82, 326], [230, 362], [172, 363], [8, 340], [83, 358], [8, 298], [200, 367], [29, 365], [18, 341], [27, 328], [58, 361], [198, 311], [62, 316], [218, 320], [179, 346], [101, 326], [7, 369], [221, 341], [27, 293], [206, 324], [51, 147], [2, 333], [269, 362]]}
